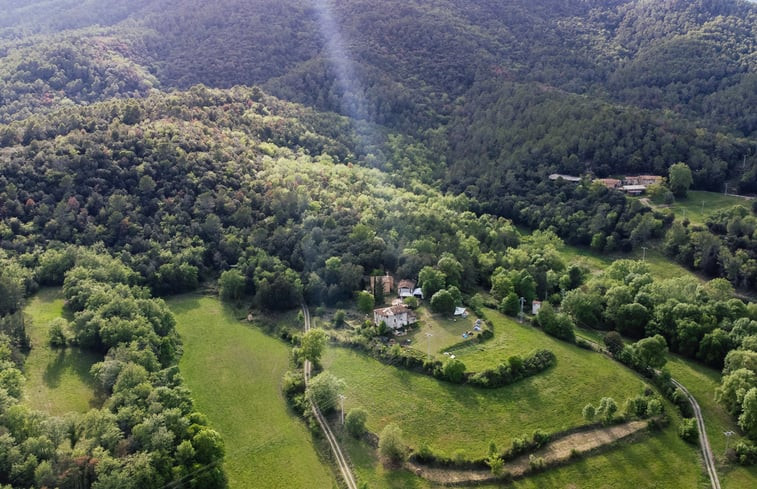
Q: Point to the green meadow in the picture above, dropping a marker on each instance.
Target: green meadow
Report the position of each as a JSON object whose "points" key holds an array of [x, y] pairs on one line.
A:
{"points": [[235, 372], [699, 204], [58, 379], [452, 417]]}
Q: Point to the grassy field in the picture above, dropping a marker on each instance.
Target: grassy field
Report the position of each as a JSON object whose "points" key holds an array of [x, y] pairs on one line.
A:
{"points": [[58, 380], [451, 417], [692, 209], [457, 417], [660, 266], [444, 332], [702, 382], [234, 372]]}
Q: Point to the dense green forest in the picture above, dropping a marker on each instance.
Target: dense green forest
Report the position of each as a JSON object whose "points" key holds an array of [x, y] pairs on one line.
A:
{"points": [[295, 148]]}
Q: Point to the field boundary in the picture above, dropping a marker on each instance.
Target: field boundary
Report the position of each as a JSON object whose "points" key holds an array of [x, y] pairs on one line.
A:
{"points": [[341, 460], [709, 460], [558, 452]]}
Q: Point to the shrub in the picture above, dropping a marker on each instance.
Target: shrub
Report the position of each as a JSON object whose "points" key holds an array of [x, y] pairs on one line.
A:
{"points": [[536, 463], [540, 438], [324, 390], [589, 412], [636, 407], [746, 452], [391, 445], [688, 430], [294, 383], [454, 370], [614, 342], [607, 409], [654, 408], [355, 421], [59, 333], [680, 400], [339, 317]]}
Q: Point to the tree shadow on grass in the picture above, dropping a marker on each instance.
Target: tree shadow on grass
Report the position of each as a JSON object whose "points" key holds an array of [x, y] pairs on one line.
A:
{"points": [[69, 360]]}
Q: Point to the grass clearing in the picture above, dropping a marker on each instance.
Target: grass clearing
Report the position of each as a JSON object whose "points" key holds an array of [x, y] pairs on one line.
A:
{"points": [[702, 381], [698, 205], [444, 332], [234, 371], [57, 379], [451, 417]]}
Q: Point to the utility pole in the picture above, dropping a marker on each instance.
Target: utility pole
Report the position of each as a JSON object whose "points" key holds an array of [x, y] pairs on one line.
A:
{"points": [[341, 399], [728, 434], [644, 255]]}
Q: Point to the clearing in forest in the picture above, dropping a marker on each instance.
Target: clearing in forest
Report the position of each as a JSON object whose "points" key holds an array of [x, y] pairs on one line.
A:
{"points": [[57, 379]]}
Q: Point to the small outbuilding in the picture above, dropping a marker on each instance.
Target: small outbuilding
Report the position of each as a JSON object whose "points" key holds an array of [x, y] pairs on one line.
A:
{"points": [[405, 288]]}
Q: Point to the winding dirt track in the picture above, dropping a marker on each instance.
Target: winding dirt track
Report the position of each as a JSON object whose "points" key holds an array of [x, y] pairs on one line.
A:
{"points": [[709, 460], [344, 467]]}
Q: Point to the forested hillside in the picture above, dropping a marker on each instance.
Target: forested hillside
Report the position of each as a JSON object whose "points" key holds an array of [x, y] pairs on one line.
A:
{"points": [[480, 98], [287, 151]]}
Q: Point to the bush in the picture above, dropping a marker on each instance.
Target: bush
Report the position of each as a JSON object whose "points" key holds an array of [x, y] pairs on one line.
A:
{"points": [[540, 438], [59, 333], [324, 390], [746, 452], [355, 421], [454, 370], [688, 430], [294, 383], [391, 445], [614, 342], [680, 400], [636, 407], [339, 318], [559, 325], [536, 463]]}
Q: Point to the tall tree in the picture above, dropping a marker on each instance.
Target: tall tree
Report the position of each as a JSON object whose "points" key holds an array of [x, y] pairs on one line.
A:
{"points": [[680, 179]]}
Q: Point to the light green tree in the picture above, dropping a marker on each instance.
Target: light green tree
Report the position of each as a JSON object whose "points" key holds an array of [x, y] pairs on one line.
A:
{"points": [[313, 343], [391, 444], [680, 179]]}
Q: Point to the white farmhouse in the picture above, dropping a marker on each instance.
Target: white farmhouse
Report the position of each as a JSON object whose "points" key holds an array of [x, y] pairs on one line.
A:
{"points": [[395, 317]]}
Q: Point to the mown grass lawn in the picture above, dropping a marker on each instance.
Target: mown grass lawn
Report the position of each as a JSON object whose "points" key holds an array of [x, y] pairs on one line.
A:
{"points": [[702, 381], [57, 379], [235, 372], [451, 417], [444, 331]]}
